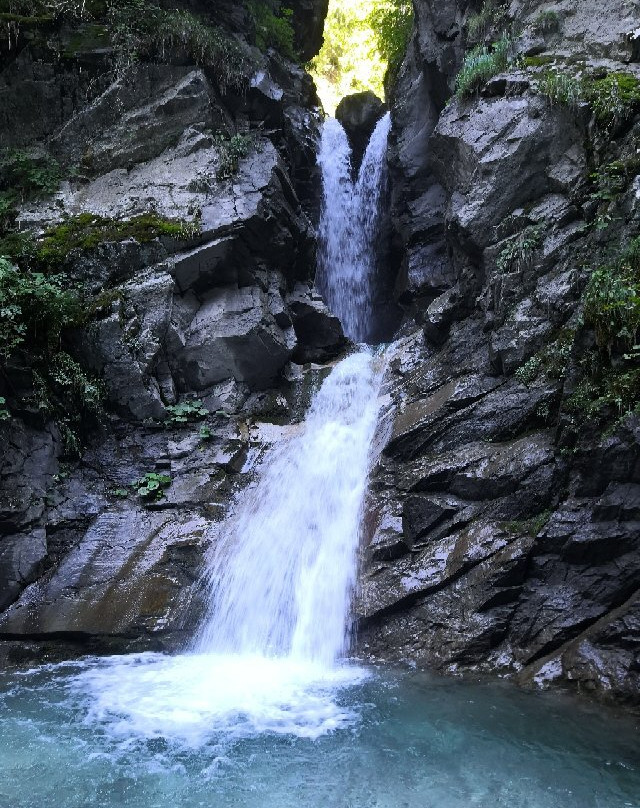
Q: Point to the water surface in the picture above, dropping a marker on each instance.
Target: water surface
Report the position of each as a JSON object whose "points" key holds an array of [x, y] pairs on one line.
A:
{"points": [[201, 730]]}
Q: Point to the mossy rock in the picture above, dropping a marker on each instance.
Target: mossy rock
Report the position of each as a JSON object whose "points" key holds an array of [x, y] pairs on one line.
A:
{"points": [[87, 231]]}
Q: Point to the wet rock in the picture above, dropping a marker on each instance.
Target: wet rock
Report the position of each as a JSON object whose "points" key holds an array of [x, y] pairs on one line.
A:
{"points": [[308, 23], [319, 333], [358, 114], [231, 333]]}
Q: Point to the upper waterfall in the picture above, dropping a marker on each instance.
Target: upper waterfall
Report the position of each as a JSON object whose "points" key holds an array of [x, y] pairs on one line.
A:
{"points": [[350, 225]]}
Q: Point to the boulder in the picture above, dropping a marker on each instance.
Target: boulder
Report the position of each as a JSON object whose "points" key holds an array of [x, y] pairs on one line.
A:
{"points": [[228, 333], [359, 113], [319, 333]]}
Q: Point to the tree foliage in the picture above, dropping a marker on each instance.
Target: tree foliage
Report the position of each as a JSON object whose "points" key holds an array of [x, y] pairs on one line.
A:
{"points": [[363, 39]]}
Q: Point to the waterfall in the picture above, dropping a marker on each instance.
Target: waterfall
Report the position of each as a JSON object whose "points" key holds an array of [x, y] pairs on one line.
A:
{"points": [[350, 225], [282, 577]]}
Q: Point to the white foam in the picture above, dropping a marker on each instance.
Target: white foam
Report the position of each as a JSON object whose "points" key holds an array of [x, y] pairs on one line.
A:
{"points": [[196, 698]]}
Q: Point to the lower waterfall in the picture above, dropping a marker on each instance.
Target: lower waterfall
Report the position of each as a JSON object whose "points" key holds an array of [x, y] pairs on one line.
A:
{"points": [[282, 577]]}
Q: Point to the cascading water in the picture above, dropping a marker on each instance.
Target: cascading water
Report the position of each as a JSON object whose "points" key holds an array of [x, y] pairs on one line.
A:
{"points": [[282, 578], [267, 658], [349, 225]]}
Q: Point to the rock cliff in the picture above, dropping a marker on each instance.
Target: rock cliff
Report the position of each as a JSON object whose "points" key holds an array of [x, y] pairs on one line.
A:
{"points": [[503, 531]]}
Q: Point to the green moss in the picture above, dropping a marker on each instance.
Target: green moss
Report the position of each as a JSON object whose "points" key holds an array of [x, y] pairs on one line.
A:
{"points": [[27, 21], [85, 39], [532, 526], [87, 230], [613, 98], [538, 61]]}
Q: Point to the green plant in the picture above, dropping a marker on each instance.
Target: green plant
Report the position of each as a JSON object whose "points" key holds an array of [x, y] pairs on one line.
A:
{"points": [[28, 175], [23, 176], [273, 26], [230, 151], [533, 525], [71, 381], [561, 88], [482, 64], [392, 24], [612, 299], [205, 432], [139, 28], [519, 249], [120, 493], [607, 391], [613, 98], [4, 412], [611, 180], [186, 412], [491, 17], [547, 22], [34, 309], [552, 360], [537, 61], [151, 486]]}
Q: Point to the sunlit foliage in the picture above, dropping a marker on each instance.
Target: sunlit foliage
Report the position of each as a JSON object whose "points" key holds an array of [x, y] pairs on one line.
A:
{"points": [[362, 39]]}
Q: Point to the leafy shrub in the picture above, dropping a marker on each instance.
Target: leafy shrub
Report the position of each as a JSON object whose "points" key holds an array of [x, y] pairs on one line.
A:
{"points": [[612, 299], [28, 175], [151, 486], [185, 412], [392, 24], [23, 176], [608, 390], [34, 309], [552, 360], [480, 65], [274, 26]]}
